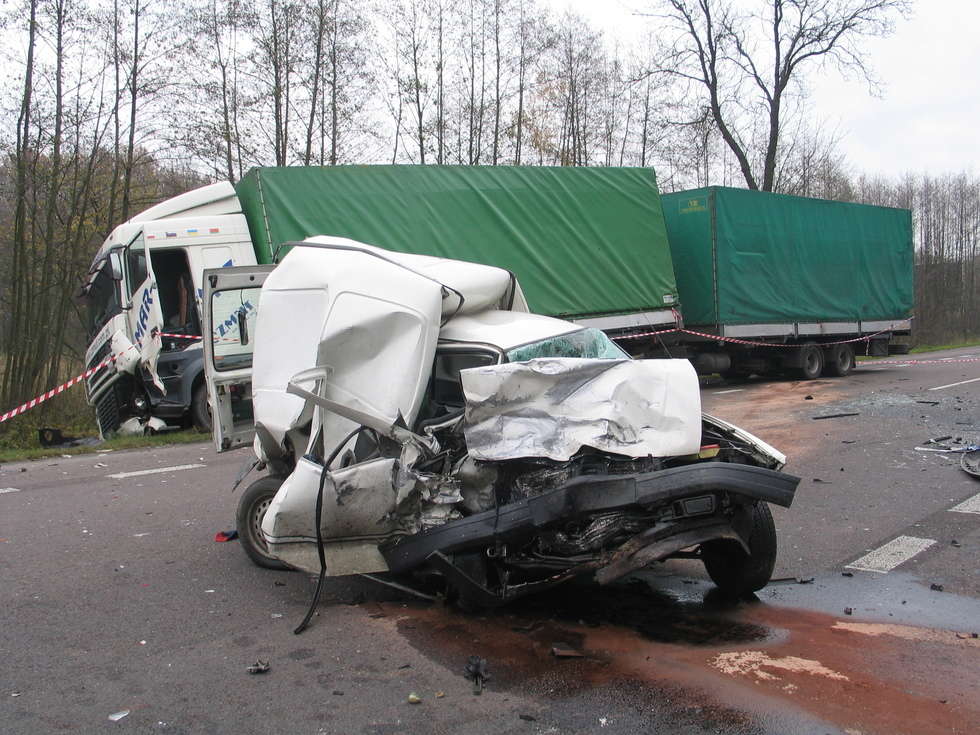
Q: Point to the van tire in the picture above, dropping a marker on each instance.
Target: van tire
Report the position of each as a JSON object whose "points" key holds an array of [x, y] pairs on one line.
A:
{"points": [[735, 572], [248, 520], [200, 409]]}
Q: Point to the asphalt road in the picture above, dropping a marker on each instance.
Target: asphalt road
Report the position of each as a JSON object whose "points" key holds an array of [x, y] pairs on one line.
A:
{"points": [[115, 598]]}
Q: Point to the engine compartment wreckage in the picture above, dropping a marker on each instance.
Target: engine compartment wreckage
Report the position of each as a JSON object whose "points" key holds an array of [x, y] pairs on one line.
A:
{"points": [[415, 418]]}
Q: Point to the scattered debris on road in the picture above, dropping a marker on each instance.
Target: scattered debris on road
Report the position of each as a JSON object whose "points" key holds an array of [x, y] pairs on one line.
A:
{"points": [[563, 650], [477, 672], [222, 536], [836, 415], [259, 667], [936, 587], [848, 610], [970, 463]]}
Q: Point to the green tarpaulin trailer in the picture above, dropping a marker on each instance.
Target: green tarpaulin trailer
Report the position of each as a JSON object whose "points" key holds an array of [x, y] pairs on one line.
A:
{"points": [[587, 244], [770, 267]]}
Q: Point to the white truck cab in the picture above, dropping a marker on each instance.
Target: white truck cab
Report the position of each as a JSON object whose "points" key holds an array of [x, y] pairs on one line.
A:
{"points": [[144, 306]]}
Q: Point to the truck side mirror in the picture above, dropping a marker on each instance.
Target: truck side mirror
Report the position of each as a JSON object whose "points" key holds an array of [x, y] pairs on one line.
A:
{"points": [[115, 264], [242, 315]]}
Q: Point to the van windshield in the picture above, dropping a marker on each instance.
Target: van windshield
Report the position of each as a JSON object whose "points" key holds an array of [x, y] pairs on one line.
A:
{"points": [[588, 342], [102, 298]]}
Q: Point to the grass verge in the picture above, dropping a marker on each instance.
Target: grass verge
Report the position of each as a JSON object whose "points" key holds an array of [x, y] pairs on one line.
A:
{"points": [[16, 454], [936, 348]]}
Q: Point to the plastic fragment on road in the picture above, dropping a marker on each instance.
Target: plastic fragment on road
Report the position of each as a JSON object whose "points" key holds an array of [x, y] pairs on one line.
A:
{"points": [[414, 698], [5, 490], [259, 667], [223, 536], [116, 716]]}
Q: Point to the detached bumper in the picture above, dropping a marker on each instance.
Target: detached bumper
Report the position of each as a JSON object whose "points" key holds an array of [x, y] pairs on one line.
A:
{"points": [[592, 494]]}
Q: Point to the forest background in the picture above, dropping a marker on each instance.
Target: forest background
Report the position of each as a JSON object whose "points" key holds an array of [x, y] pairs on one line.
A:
{"points": [[109, 107]]}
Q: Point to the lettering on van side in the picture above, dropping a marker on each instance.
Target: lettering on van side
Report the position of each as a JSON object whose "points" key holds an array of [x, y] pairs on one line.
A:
{"points": [[232, 321]]}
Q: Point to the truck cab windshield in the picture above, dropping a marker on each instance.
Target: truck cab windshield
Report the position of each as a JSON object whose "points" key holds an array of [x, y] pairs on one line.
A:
{"points": [[102, 298], [588, 342]]}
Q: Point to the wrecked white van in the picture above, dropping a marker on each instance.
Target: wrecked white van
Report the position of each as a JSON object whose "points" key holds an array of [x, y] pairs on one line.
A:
{"points": [[413, 417]]}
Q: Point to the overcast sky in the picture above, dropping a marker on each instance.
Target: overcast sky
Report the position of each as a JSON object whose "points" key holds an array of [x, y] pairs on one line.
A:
{"points": [[928, 117]]}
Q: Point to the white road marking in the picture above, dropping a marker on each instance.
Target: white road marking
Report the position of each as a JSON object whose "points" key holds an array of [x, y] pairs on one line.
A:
{"points": [[4, 490], [953, 385], [897, 551], [970, 505], [157, 471], [723, 392]]}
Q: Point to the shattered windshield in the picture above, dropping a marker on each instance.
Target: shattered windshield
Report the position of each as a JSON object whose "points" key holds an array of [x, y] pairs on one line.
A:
{"points": [[588, 342], [102, 297]]}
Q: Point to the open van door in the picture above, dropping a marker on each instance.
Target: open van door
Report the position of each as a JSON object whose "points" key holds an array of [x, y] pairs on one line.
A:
{"points": [[231, 304]]}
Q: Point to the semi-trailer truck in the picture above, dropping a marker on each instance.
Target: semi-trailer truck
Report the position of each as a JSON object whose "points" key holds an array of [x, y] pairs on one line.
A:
{"points": [[596, 246]]}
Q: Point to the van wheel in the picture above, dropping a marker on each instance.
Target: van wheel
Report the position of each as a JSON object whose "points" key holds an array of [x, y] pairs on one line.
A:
{"points": [[201, 409], [811, 362], [840, 361], [252, 506], [736, 572]]}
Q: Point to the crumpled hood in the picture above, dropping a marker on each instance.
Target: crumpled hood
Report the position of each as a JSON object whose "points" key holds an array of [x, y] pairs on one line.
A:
{"points": [[552, 407]]}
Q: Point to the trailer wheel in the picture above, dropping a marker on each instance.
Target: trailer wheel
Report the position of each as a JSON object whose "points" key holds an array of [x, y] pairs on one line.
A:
{"points": [[252, 506], [840, 361], [811, 362], [201, 409], [736, 572]]}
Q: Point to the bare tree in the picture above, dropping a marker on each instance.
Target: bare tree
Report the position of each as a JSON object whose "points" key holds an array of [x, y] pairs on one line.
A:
{"points": [[747, 64]]}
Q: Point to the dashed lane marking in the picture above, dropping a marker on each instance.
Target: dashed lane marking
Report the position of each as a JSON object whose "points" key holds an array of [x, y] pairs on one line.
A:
{"points": [[155, 471], [970, 505], [723, 392], [897, 551], [953, 385]]}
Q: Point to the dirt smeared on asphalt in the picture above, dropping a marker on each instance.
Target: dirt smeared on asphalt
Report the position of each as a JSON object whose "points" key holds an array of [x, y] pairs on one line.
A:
{"points": [[733, 664]]}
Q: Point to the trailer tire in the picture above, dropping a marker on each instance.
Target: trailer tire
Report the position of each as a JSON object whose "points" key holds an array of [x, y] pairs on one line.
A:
{"points": [[839, 361], [248, 520], [200, 409], [811, 362], [735, 572]]}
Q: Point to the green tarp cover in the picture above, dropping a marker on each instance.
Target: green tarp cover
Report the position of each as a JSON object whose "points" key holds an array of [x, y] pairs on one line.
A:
{"points": [[749, 257], [581, 241]]}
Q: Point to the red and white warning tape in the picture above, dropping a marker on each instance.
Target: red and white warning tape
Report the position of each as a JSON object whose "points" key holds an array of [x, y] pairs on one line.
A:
{"points": [[61, 388], [733, 340], [78, 379]]}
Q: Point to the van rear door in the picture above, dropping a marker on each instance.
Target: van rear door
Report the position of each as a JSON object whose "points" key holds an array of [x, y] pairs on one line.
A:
{"points": [[231, 303]]}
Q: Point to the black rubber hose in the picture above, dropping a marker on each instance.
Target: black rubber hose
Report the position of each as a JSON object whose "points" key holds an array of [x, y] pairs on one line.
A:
{"points": [[319, 536]]}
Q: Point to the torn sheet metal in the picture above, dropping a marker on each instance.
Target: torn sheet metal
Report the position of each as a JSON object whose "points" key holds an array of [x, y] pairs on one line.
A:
{"points": [[552, 407]]}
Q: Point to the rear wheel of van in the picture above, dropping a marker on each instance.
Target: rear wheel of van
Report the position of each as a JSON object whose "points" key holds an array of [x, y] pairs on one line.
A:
{"points": [[736, 572], [840, 361], [200, 409], [252, 506]]}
